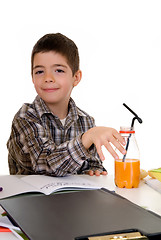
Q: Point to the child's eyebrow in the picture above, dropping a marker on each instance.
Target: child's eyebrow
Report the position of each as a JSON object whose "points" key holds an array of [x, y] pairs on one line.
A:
{"points": [[38, 66], [54, 65], [59, 65]]}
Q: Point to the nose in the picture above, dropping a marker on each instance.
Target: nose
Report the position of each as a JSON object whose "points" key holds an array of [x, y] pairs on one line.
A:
{"points": [[49, 78]]}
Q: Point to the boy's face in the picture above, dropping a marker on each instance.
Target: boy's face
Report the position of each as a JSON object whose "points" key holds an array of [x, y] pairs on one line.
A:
{"points": [[53, 78]]}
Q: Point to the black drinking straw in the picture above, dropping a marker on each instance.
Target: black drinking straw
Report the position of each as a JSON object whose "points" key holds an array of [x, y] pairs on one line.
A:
{"points": [[132, 125]]}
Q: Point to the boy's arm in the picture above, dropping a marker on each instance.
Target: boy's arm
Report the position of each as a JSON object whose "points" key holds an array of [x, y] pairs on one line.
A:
{"points": [[35, 149]]}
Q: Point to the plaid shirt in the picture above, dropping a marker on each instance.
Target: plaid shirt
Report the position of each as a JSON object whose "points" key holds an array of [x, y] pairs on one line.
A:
{"points": [[40, 144]]}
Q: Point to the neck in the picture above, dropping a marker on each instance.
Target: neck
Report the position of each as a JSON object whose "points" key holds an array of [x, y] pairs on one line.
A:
{"points": [[59, 110]]}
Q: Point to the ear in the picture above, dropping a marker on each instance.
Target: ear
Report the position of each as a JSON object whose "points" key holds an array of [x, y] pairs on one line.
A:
{"points": [[77, 78]]}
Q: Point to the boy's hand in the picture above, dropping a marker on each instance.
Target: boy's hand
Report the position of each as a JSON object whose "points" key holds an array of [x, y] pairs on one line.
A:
{"points": [[96, 172], [102, 136]]}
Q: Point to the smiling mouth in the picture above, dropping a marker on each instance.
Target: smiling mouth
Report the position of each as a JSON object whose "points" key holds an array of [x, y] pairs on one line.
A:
{"points": [[50, 89]]}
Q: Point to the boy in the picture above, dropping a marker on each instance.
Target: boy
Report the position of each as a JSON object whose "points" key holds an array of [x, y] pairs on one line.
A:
{"points": [[52, 136]]}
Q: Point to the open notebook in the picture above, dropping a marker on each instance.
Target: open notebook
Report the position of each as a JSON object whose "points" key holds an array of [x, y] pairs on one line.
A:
{"points": [[14, 185]]}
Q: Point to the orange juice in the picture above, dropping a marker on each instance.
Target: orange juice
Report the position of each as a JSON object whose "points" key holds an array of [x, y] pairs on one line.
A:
{"points": [[127, 173]]}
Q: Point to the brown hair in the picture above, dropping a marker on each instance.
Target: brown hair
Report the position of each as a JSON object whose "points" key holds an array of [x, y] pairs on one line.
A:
{"points": [[61, 44]]}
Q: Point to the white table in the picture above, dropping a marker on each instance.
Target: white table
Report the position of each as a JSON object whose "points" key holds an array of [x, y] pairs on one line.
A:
{"points": [[143, 196]]}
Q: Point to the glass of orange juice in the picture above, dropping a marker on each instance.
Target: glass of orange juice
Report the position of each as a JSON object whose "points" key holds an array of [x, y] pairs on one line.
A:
{"points": [[127, 173]]}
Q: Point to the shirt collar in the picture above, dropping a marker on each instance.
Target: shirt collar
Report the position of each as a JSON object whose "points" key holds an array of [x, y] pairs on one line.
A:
{"points": [[42, 109]]}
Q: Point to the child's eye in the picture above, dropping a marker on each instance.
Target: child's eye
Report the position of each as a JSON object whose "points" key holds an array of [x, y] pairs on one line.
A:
{"points": [[39, 72], [59, 71]]}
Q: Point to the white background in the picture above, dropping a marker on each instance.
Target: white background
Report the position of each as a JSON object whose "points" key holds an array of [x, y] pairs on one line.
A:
{"points": [[120, 51]]}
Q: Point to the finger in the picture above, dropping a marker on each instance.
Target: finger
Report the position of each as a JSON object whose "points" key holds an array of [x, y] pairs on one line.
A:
{"points": [[104, 172], [118, 137], [97, 173], [118, 146], [111, 150], [90, 172], [100, 153]]}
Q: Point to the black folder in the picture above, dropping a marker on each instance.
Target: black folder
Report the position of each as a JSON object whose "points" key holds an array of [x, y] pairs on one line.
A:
{"points": [[79, 215]]}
